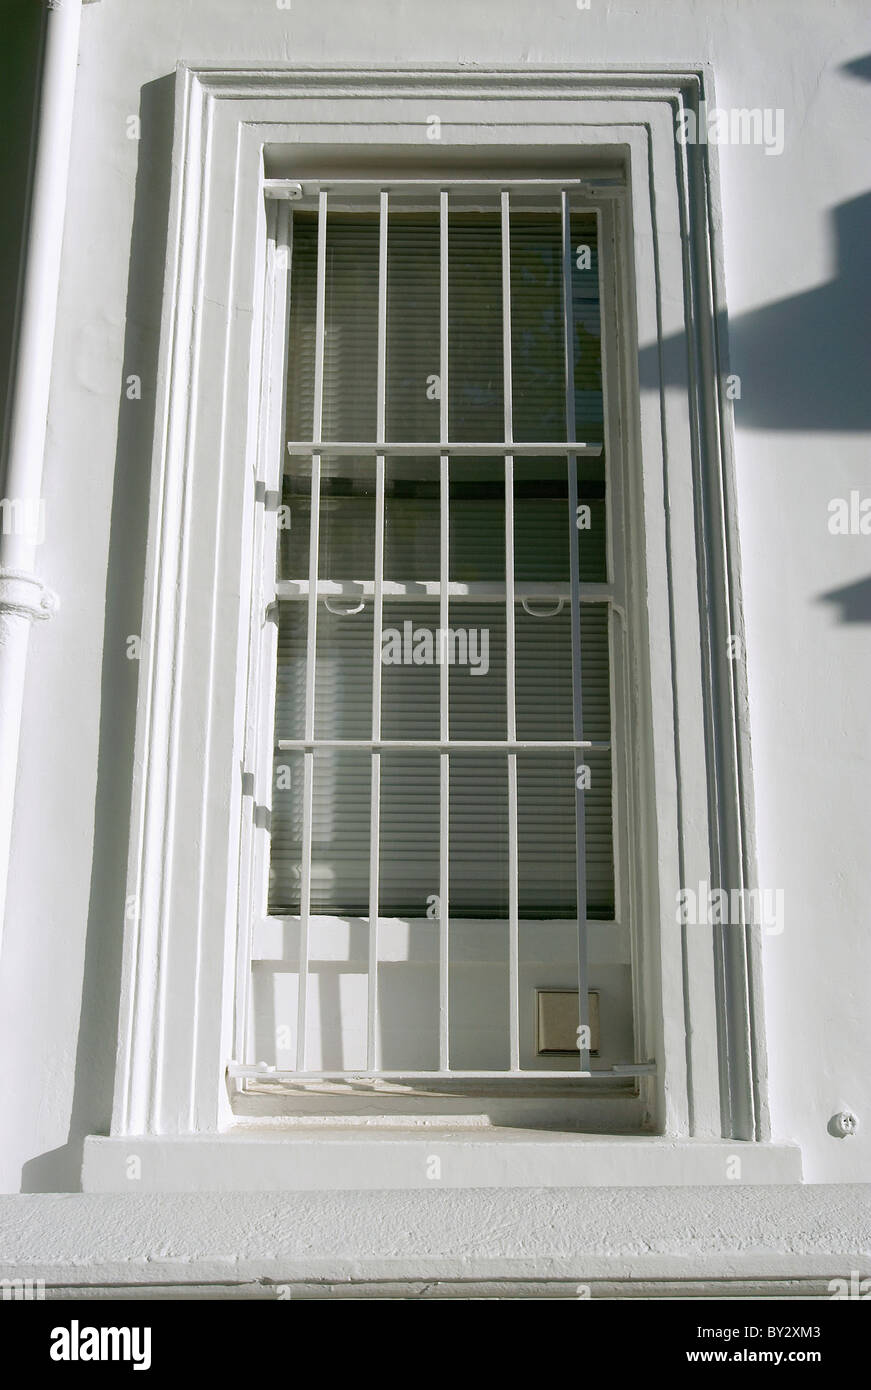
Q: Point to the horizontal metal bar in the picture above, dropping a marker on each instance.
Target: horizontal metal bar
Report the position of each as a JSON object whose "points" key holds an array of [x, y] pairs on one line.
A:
{"points": [[304, 448], [265, 1073], [472, 591], [278, 188], [461, 745]]}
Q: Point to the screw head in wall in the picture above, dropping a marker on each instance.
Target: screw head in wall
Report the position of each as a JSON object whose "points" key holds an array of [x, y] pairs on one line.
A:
{"points": [[843, 1124]]}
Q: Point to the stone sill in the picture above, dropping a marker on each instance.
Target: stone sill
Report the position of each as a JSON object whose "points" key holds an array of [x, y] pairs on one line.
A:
{"points": [[744, 1241], [336, 1159]]}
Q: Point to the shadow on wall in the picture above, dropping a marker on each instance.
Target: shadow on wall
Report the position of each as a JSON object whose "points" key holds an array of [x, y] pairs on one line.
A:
{"points": [[853, 601], [60, 1169], [803, 361]]}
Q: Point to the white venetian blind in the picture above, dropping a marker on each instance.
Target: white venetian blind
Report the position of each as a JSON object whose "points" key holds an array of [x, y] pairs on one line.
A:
{"points": [[477, 705]]}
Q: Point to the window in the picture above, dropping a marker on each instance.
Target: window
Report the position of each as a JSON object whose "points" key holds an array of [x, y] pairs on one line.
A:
{"points": [[443, 602], [209, 988]]}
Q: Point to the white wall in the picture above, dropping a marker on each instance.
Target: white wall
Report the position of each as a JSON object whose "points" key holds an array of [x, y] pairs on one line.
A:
{"points": [[795, 228]]}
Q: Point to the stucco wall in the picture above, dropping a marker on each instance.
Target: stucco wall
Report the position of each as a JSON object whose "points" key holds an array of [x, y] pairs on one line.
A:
{"points": [[796, 229]]}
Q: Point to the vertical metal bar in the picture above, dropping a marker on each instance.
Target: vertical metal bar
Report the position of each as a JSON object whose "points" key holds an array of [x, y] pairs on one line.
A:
{"points": [[308, 759], [372, 1060], [311, 639], [511, 699], [444, 940], [443, 317], [444, 622], [444, 778], [381, 410], [318, 409], [304, 909], [574, 570]]}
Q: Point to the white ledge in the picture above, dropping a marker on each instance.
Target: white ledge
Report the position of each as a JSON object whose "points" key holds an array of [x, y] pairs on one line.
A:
{"points": [[617, 1240], [298, 1159]]}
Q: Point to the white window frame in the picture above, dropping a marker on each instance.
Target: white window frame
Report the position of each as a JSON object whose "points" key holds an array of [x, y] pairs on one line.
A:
{"points": [[701, 992]]}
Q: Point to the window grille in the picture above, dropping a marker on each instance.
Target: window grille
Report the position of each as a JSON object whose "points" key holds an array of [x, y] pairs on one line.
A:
{"points": [[442, 609]]}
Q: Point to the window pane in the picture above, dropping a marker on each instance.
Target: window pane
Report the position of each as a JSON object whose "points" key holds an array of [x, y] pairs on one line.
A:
{"points": [[285, 833], [475, 371], [541, 520], [546, 842], [343, 672], [346, 522], [340, 832], [290, 672], [477, 520], [346, 526], [599, 836], [543, 664], [412, 524], [409, 855], [546, 785], [350, 326], [301, 341], [478, 835], [294, 521], [589, 416], [409, 673], [474, 648], [478, 888], [413, 326], [537, 335]]}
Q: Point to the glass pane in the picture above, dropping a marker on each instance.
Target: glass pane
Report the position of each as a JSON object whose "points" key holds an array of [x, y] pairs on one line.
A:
{"points": [[409, 852], [409, 671], [541, 520], [285, 836], [589, 417], [290, 671], [346, 530], [412, 520], [294, 519], [537, 334], [546, 842], [595, 672], [543, 647], [350, 326], [301, 331], [478, 835], [340, 832], [475, 370], [598, 826], [474, 648], [343, 671], [478, 889], [477, 520], [346, 522], [413, 336]]}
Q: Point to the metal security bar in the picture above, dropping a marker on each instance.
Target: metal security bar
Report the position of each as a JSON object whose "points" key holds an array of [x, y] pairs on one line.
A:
{"points": [[316, 588]]}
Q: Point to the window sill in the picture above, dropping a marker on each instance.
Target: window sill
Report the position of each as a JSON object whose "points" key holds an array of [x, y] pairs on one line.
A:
{"points": [[737, 1240], [310, 1158]]}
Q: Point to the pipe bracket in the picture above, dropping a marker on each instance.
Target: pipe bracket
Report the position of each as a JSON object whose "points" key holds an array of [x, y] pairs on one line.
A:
{"points": [[26, 595]]}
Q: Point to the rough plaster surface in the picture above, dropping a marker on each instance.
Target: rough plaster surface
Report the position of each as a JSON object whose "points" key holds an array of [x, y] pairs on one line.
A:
{"points": [[561, 1233]]}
